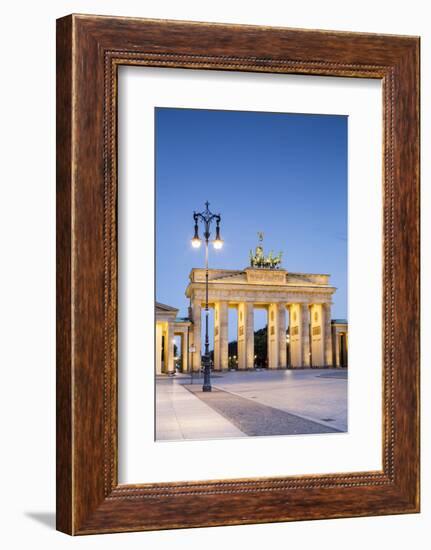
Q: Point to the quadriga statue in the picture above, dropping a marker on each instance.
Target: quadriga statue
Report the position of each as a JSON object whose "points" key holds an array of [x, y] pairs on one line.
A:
{"points": [[259, 260], [276, 261]]}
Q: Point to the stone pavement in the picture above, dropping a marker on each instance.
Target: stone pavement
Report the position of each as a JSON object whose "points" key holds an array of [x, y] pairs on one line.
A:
{"points": [[254, 419], [314, 394], [180, 415], [252, 403]]}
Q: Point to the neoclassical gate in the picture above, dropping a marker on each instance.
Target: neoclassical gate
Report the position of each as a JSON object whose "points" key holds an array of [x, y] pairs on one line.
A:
{"points": [[306, 296]]}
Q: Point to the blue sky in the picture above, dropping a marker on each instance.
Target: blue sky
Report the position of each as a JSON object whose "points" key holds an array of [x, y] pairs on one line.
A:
{"points": [[283, 174]]}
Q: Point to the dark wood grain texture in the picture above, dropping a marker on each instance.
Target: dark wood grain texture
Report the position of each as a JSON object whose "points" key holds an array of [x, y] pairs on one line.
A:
{"points": [[64, 283], [89, 51]]}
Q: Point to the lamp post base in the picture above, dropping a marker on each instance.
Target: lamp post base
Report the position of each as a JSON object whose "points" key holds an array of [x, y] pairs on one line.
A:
{"points": [[207, 375]]}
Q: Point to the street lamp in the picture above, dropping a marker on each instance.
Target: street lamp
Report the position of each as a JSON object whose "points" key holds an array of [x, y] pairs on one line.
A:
{"points": [[206, 217]]}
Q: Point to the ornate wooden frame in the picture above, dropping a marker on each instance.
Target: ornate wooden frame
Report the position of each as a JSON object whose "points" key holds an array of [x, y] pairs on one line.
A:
{"points": [[89, 50]]}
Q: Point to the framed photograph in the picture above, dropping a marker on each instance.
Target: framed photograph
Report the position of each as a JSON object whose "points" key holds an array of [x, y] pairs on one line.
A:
{"points": [[237, 274]]}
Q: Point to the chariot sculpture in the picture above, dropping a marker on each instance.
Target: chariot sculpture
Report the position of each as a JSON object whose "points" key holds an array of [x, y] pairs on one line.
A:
{"points": [[259, 260]]}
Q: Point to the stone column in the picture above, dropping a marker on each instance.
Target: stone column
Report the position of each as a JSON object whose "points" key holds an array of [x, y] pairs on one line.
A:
{"points": [[327, 335], [159, 334], [305, 335], [221, 315], [245, 336], [346, 350], [249, 335], [272, 336], [295, 326], [184, 352], [336, 342], [242, 350], [317, 335], [196, 356], [169, 349], [217, 359], [342, 341], [282, 350]]}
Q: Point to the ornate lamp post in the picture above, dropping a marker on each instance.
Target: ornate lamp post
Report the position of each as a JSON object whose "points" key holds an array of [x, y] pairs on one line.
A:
{"points": [[206, 217]]}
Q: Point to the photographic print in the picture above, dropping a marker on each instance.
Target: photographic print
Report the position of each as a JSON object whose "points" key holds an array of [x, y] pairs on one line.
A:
{"points": [[251, 274]]}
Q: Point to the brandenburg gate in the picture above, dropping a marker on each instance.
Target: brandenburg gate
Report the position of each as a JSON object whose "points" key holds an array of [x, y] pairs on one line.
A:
{"points": [[305, 297]]}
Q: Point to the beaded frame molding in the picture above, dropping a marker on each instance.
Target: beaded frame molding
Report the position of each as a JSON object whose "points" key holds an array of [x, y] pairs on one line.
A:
{"points": [[89, 51]]}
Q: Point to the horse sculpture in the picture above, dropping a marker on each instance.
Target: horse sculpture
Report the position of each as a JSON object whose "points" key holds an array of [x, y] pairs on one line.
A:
{"points": [[259, 260]]}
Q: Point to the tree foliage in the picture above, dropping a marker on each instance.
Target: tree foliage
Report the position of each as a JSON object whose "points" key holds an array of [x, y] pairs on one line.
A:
{"points": [[260, 349]]}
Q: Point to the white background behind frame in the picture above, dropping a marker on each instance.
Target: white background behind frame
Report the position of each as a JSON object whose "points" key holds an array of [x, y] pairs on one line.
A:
{"points": [[143, 460]]}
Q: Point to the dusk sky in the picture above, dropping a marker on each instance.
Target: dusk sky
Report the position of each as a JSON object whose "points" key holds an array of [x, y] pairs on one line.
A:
{"points": [[282, 174]]}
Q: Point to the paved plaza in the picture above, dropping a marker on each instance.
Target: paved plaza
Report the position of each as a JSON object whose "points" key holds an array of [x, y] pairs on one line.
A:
{"points": [[252, 403]]}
